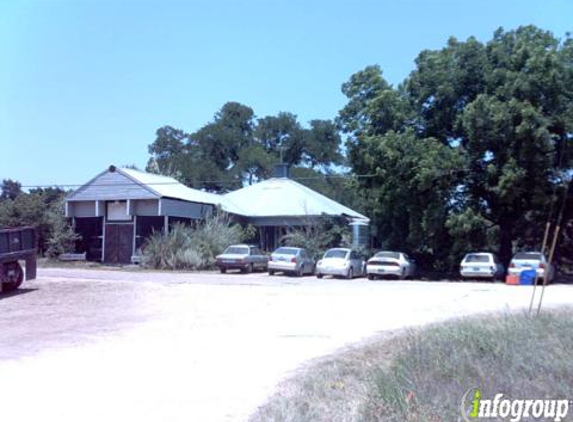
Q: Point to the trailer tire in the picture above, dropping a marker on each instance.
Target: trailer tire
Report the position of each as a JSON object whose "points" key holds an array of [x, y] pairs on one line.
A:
{"points": [[15, 279]]}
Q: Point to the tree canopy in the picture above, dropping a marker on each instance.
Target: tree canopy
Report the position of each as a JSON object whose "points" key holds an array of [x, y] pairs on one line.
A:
{"points": [[237, 147], [488, 125], [10, 189]]}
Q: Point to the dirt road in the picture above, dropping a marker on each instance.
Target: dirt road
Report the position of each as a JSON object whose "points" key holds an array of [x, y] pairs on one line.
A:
{"points": [[92, 345]]}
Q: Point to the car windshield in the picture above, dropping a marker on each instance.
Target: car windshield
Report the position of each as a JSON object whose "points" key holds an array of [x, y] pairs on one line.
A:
{"points": [[528, 255], [237, 250], [477, 258], [393, 255], [336, 253], [286, 251]]}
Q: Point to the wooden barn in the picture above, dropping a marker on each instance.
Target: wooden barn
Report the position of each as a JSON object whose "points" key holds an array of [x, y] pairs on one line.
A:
{"points": [[116, 210]]}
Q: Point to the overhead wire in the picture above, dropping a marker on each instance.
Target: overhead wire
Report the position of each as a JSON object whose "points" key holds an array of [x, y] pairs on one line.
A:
{"points": [[201, 182]]}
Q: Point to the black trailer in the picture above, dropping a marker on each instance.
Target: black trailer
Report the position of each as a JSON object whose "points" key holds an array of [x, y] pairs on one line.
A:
{"points": [[17, 244]]}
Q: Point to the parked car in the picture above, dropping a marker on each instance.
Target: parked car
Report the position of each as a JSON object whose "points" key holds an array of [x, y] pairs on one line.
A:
{"points": [[531, 261], [246, 258], [481, 265], [292, 261], [388, 263], [340, 262]]}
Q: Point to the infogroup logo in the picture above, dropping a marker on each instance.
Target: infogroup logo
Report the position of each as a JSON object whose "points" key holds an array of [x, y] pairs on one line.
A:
{"points": [[475, 407]]}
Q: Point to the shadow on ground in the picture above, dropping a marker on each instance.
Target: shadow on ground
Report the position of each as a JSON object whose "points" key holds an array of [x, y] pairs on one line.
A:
{"points": [[17, 292]]}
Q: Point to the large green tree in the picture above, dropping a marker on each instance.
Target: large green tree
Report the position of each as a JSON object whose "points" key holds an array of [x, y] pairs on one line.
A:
{"points": [[504, 108], [237, 148]]}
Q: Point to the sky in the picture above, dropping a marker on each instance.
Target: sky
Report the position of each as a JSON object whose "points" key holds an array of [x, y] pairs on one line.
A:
{"points": [[86, 83]]}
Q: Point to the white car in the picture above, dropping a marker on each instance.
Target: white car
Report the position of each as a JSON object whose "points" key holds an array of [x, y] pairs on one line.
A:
{"points": [[387, 263], [481, 265], [341, 262], [530, 261]]}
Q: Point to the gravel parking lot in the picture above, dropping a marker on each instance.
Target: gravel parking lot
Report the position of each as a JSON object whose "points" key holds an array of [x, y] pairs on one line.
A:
{"points": [[100, 345]]}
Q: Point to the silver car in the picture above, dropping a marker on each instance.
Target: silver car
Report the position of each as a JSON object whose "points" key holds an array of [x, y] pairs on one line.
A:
{"points": [[290, 260], [246, 258], [340, 262], [531, 261], [481, 265], [387, 263]]}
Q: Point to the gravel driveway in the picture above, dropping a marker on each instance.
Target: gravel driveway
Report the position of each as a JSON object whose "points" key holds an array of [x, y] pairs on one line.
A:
{"points": [[98, 345]]}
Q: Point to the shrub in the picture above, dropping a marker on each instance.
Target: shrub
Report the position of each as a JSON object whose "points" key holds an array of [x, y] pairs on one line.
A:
{"points": [[44, 209], [167, 251], [62, 237], [316, 237], [192, 248], [213, 235]]}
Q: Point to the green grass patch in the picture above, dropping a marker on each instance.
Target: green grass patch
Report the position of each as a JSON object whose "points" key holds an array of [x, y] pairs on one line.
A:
{"points": [[421, 375]]}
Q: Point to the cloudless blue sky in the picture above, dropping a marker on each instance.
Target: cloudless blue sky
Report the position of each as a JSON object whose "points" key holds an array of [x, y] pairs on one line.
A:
{"points": [[86, 83]]}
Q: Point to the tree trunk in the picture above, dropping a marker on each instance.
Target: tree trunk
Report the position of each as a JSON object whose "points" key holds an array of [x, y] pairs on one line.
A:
{"points": [[505, 241], [565, 245]]}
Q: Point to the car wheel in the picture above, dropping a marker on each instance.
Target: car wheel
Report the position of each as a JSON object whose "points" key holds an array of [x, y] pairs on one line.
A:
{"points": [[271, 272], [370, 276], [300, 271], [223, 270], [13, 272], [350, 274], [318, 275], [250, 268]]}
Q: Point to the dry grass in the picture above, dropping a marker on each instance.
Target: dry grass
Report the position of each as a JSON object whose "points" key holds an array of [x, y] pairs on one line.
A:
{"points": [[330, 389], [421, 375]]}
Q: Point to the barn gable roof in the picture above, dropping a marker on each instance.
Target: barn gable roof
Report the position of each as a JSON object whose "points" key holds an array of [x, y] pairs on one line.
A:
{"points": [[124, 183]]}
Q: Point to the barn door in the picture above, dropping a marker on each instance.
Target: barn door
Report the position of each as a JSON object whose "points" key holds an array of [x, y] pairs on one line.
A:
{"points": [[118, 243]]}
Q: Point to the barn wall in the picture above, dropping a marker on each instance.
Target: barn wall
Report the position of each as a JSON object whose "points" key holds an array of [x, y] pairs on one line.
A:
{"points": [[81, 209], [281, 221], [100, 205], [175, 208], [148, 207]]}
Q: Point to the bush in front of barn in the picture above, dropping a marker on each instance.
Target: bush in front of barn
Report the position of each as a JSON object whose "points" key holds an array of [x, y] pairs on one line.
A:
{"points": [[318, 236], [191, 248], [62, 237]]}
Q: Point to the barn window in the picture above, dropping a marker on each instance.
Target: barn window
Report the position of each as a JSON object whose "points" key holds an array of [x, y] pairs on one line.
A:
{"points": [[117, 211]]}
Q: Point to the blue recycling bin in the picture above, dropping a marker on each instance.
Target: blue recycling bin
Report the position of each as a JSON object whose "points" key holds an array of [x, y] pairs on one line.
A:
{"points": [[527, 277]]}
